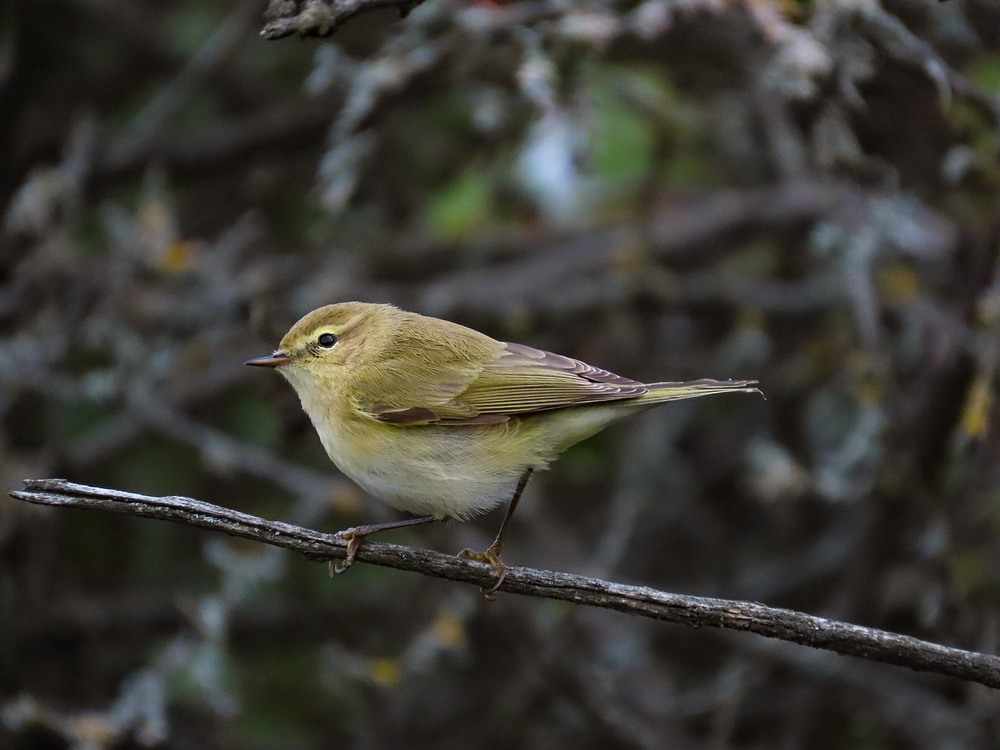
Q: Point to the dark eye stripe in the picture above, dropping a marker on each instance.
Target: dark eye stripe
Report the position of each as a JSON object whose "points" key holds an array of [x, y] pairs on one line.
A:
{"points": [[327, 340]]}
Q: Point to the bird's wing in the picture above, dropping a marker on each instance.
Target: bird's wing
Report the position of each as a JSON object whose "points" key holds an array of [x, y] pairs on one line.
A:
{"points": [[524, 380], [518, 380]]}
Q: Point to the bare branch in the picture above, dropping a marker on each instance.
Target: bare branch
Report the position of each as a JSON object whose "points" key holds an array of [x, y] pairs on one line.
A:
{"points": [[321, 17], [783, 624]]}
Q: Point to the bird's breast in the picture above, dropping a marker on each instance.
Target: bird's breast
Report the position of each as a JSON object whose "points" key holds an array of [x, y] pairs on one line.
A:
{"points": [[448, 472]]}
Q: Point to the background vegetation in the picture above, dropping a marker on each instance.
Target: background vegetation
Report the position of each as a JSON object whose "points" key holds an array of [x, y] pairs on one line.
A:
{"points": [[807, 193]]}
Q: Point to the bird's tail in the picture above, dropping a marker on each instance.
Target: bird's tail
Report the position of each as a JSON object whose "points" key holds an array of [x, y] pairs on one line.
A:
{"points": [[660, 392]]}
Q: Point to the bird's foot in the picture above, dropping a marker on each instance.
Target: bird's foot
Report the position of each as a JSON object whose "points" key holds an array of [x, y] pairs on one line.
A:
{"points": [[355, 539], [491, 557]]}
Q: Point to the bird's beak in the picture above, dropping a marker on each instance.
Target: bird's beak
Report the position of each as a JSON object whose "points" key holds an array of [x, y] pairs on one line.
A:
{"points": [[271, 360]]}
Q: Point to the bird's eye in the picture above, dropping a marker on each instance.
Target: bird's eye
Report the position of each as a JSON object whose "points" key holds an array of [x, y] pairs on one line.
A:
{"points": [[327, 340]]}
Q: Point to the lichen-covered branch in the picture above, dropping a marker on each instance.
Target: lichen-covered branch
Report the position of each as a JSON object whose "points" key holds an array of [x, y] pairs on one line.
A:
{"points": [[321, 17], [783, 624]]}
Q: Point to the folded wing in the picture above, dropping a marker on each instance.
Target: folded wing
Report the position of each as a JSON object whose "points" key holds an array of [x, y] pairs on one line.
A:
{"points": [[521, 380]]}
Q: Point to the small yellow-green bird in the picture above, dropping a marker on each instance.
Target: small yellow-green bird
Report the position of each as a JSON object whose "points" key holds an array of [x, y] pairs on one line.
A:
{"points": [[443, 421]]}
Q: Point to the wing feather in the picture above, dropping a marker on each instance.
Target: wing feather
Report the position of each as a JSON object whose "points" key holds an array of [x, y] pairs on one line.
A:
{"points": [[518, 381]]}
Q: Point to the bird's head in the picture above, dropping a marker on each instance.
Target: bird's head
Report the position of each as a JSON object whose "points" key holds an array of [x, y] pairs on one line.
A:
{"points": [[330, 340]]}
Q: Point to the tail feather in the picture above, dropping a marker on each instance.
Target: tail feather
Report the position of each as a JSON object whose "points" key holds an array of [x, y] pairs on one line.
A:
{"points": [[660, 392]]}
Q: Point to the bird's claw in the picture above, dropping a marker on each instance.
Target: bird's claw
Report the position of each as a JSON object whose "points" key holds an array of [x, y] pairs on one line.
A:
{"points": [[355, 540], [489, 557]]}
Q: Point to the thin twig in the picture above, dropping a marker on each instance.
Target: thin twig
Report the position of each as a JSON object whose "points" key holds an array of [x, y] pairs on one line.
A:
{"points": [[783, 624]]}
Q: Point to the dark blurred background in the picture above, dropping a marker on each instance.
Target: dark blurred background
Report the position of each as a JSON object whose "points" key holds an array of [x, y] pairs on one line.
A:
{"points": [[806, 193]]}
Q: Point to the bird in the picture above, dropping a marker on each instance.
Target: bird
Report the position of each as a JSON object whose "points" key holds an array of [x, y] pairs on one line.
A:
{"points": [[442, 421]]}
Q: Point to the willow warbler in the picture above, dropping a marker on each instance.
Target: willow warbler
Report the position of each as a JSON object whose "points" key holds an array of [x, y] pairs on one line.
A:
{"points": [[443, 421]]}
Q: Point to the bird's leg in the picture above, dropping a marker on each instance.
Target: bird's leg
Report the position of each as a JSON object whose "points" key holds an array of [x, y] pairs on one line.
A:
{"points": [[355, 537], [491, 556]]}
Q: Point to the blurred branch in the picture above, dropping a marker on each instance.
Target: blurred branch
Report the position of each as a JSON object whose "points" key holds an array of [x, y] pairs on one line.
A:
{"points": [[226, 453], [899, 42], [208, 148], [783, 624], [129, 24], [685, 237], [321, 17], [212, 56]]}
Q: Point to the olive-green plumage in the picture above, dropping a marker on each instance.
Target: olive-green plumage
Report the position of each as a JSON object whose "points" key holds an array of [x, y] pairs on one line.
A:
{"points": [[438, 419]]}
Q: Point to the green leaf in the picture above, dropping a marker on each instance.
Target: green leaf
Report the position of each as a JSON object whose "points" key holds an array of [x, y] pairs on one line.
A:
{"points": [[985, 73], [461, 207]]}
